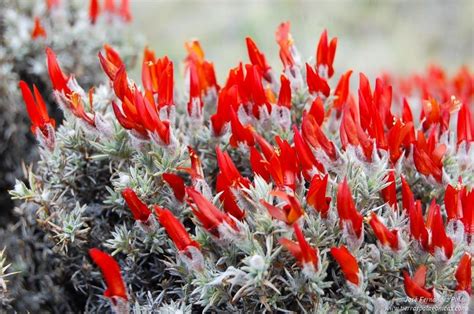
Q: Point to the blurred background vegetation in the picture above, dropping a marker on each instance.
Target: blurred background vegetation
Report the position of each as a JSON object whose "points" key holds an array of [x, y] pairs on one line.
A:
{"points": [[396, 36]]}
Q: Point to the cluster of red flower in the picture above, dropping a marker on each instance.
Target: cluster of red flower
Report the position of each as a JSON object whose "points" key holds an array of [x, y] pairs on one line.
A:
{"points": [[370, 125]]}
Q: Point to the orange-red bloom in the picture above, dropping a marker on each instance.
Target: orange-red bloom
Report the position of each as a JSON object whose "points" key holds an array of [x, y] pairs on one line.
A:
{"points": [[210, 217], [205, 76], [316, 195], [124, 10], [417, 225], [463, 274], [316, 84], [140, 114], [111, 63], [415, 286], [157, 77], [315, 136], [94, 10], [301, 250], [428, 156], [175, 229], [348, 264], [399, 137], [325, 54], [229, 180], [38, 29], [352, 133], [258, 59], [388, 238], [58, 79], [308, 162], [240, 133], [139, 210], [349, 217], [408, 199], [342, 90], [452, 202], [177, 185], [389, 193], [259, 164], [290, 212], [465, 126], [285, 41], [111, 272], [440, 242], [36, 108], [284, 97], [467, 199]]}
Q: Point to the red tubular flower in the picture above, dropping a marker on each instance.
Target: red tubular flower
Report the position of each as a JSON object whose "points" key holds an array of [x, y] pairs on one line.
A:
{"points": [[315, 137], [58, 79], [139, 114], [175, 229], [348, 264], [463, 274], [467, 199], [112, 62], [109, 6], [240, 134], [317, 110], [229, 180], [349, 217], [306, 158], [111, 272], [38, 29], [177, 185], [408, 199], [388, 238], [399, 134], [352, 133], [77, 107], [325, 54], [415, 287], [195, 103], [259, 164], [301, 250], [407, 115], [50, 4], [417, 225], [342, 90], [316, 195], [440, 242], [389, 193], [36, 108], [254, 90], [94, 10], [428, 161], [210, 217], [284, 97], [452, 202], [157, 77], [205, 74], [283, 165], [124, 10], [195, 171], [228, 100], [465, 126], [285, 41], [316, 84], [289, 213], [139, 209], [258, 59]]}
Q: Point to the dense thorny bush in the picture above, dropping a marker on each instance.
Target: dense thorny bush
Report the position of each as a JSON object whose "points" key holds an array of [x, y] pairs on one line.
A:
{"points": [[289, 193]]}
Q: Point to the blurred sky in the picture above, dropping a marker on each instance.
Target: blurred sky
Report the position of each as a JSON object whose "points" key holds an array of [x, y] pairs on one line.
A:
{"points": [[397, 36]]}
